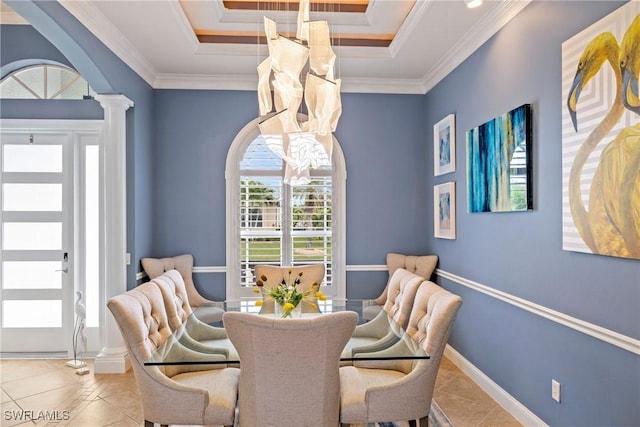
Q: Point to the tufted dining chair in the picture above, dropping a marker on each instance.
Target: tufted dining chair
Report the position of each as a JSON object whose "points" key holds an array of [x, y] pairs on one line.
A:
{"points": [[289, 374], [379, 332], [189, 330], [402, 391], [206, 310], [422, 265], [177, 394], [311, 274]]}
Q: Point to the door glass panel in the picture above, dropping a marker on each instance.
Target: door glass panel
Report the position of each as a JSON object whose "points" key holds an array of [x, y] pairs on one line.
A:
{"points": [[32, 158], [32, 197], [32, 236], [31, 275], [32, 314], [92, 235]]}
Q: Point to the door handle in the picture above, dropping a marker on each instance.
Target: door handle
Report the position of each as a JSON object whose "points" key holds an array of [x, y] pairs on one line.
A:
{"points": [[64, 270]]}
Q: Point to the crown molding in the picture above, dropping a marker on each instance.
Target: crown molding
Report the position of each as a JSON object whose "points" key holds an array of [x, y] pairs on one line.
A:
{"points": [[473, 39], [377, 85], [349, 85], [205, 82], [95, 21]]}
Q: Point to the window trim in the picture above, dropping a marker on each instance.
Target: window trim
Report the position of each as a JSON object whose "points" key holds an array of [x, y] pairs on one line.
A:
{"points": [[232, 176]]}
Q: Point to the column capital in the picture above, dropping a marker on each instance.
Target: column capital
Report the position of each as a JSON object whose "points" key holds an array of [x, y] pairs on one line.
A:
{"points": [[114, 100]]}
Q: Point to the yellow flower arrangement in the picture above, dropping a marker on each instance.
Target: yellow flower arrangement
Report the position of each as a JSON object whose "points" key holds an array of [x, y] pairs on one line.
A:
{"points": [[286, 293]]}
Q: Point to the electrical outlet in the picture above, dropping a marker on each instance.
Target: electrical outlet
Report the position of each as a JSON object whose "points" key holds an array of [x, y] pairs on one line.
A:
{"points": [[555, 390]]}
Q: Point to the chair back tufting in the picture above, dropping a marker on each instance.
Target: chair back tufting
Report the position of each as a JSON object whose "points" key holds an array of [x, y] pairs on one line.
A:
{"points": [[400, 295], [155, 267], [422, 265], [175, 297]]}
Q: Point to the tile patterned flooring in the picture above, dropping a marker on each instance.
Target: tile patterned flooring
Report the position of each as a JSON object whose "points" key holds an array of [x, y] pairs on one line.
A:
{"points": [[51, 394]]}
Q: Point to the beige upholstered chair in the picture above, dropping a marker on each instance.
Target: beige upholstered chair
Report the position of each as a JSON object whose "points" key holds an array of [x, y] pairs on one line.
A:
{"points": [[403, 391], [205, 309], [192, 394], [422, 265], [378, 333], [275, 274], [289, 368], [191, 332]]}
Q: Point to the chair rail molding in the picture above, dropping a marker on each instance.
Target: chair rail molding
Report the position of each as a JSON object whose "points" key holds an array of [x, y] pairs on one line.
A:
{"points": [[614, 338]]}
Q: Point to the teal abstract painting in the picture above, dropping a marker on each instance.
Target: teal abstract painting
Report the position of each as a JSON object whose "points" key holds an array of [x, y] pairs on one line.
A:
{"points": [[499, 163]]}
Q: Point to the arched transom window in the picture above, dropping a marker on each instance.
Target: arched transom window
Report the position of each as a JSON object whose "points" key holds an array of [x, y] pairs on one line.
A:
{"points": [[44, 81]]}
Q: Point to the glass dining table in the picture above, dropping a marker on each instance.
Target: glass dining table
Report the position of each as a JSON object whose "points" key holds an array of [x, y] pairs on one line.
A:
{"points": [[380, 339]]}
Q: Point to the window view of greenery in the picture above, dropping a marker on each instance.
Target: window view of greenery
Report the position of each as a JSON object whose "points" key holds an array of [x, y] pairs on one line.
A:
{"points": [[282, 224]]}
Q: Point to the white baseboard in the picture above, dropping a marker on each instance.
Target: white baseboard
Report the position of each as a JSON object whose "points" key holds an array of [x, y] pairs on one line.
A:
{"points": [[497, 393], [114, 362]]}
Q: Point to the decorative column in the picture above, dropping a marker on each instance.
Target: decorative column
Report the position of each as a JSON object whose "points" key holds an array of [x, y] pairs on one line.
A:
{"points": [[114, 357]]}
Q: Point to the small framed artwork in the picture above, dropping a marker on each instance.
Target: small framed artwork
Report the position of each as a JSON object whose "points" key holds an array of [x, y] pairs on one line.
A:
{"points": [[444, 210], [444, 146]]}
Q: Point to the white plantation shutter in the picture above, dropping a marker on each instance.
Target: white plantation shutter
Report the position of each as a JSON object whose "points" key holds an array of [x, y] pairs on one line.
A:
{"points": [[282, 224], [311, 224]]}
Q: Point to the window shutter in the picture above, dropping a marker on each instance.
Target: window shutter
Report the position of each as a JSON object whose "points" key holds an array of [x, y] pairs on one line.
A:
{"points": [[281, 224]]}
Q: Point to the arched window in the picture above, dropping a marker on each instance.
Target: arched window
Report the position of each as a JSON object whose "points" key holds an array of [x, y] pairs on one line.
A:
{"points": [[44, 81], [270, 222]]}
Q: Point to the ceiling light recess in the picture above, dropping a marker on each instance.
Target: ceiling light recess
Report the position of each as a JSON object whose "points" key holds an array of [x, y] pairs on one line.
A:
{"points": [[473, 3]]}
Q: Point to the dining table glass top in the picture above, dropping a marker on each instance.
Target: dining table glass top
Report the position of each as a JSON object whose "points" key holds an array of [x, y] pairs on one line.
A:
{"points": [[196, 343]]}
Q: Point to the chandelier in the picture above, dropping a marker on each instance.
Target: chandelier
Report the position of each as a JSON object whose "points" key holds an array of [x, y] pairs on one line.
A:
{"points": [[301, 144]]}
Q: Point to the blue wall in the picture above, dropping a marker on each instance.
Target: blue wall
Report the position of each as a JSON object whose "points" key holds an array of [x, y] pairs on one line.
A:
{"points": [[177, 146], [521, 253], [383, 141]]}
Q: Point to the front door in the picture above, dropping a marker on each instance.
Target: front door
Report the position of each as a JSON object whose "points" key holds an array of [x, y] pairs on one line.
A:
{"points": [[36, 258]]}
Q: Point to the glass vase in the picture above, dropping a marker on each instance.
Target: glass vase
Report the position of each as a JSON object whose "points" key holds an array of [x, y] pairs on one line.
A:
{"points": [[283, 313]]}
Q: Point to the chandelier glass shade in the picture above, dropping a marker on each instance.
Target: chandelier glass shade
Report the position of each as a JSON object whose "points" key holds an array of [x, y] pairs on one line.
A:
{"points": [[307, 144]]}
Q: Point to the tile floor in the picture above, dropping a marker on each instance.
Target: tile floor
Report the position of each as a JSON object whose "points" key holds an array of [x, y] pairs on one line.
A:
{"points": [[53, 395]]}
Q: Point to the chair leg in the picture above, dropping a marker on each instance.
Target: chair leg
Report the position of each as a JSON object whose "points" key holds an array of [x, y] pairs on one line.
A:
{"points": [[422, 422]]}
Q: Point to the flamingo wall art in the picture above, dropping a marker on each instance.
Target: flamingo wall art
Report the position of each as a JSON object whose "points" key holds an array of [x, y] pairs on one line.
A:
{"points": [[499, 163], [601, 136]]}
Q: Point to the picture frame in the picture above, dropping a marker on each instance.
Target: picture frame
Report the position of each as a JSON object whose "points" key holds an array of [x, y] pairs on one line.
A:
{"points": [[444, 210], [499, 163], [444, 146], [598, 204]]}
